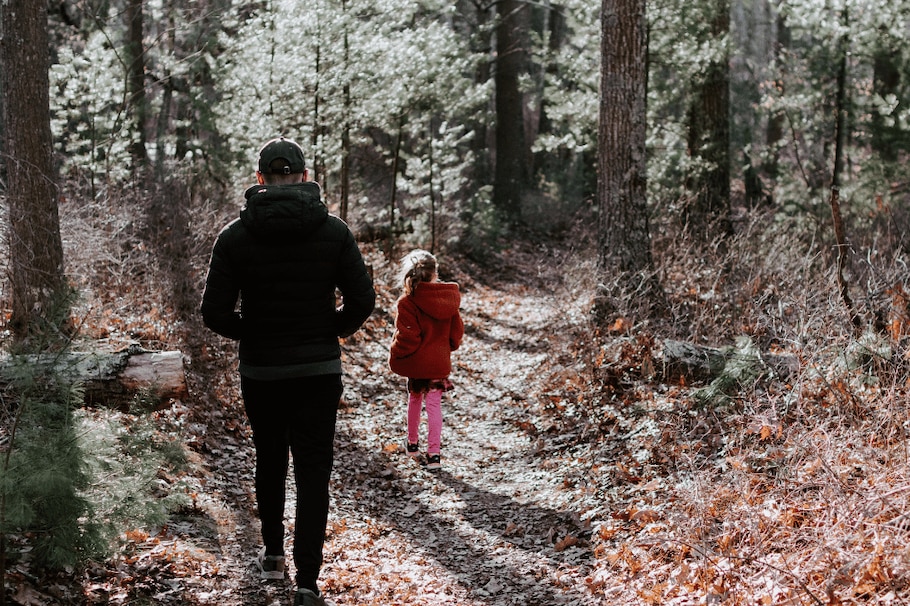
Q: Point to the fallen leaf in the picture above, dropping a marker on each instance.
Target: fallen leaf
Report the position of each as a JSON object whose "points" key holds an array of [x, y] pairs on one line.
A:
{"points": [[645, 516]]}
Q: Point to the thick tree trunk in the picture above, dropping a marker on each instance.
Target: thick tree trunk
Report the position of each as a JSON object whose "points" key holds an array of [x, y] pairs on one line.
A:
{"points": [[38, 287], [709, 140], [625, 243], [511, 151]]}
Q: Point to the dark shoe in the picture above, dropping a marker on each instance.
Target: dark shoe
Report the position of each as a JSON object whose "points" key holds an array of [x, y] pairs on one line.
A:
{"points": [[434, 462], [412, 450], [271, 567], [305, 597]]}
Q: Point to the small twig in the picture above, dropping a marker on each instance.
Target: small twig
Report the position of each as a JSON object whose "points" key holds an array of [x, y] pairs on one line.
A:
{"points": [[842, 253], [796, 154]]}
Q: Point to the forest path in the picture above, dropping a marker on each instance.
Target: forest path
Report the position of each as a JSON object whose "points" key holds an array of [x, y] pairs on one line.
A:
{"points": [[496, 526], [500, 524], [482, 530]]}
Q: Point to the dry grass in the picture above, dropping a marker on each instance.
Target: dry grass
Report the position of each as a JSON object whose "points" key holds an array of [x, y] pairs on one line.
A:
{"points": [[139, 258], [793, 492]]}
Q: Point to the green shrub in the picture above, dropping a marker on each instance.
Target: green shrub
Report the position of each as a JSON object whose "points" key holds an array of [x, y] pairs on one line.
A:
{"points": [[73, 479], [44, 473]]}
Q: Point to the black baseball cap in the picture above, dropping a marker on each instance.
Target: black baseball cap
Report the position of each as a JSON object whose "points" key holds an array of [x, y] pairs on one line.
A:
{"points": [[281, 149]]}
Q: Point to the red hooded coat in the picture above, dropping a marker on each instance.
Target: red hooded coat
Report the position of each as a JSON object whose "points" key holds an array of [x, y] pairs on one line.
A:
{"points": [[428, 328]]}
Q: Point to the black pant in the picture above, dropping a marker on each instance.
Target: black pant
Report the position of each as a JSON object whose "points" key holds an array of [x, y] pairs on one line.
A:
{"points": [[296, 415]]}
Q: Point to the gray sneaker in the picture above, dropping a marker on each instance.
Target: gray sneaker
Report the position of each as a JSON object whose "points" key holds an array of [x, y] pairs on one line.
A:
{"points": [[270, 567], [305, 597]]}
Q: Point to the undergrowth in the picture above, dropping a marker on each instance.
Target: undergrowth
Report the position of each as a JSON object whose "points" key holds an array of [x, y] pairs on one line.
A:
{"points": [[73, 478], [754, 486]]}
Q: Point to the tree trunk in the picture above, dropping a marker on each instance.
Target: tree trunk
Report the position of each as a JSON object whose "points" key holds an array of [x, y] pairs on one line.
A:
{"points": [[626, 264], [722, 371], [345, 135], [116, 379], [709, 141], [511, 63], [318, 172], [38, 286], [752, 35], [777, 121], [166, 83], [396, 158], [886, 139], [345, 193], [431, 132], [138, 101], [484, 142], [840, 111]]}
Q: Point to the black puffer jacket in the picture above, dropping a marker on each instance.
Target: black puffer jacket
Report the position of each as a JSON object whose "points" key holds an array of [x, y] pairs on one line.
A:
{"points": [[283, 258]]}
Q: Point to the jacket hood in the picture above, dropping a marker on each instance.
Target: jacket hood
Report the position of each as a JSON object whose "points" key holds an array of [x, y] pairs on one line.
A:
{"points": [[439, 300], [283, 209]]}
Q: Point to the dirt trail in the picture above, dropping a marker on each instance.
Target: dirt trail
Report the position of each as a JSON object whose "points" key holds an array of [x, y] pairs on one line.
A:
{"points": [[482, 530], [498, 525]]}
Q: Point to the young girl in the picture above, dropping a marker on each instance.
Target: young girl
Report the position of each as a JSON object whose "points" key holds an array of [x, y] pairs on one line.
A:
{"points": [[428, 328]]}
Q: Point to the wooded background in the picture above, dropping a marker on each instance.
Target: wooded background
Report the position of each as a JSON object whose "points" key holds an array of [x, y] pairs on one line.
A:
{"points": [[456, 122], [691, 173]]}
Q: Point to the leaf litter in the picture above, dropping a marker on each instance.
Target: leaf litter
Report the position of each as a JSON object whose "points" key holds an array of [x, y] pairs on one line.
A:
{"points": [[570, 476]]}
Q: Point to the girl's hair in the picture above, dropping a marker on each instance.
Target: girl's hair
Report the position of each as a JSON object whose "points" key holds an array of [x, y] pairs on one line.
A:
{"points": [[416, 267]]}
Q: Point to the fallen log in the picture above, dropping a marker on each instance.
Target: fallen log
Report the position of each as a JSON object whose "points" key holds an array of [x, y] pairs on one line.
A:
{"points": [[116, 379], [690, 363], [693, 363], [723, 371]]}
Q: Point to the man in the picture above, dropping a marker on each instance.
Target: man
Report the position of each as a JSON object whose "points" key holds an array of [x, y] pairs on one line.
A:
{"points": [[283, 259]]}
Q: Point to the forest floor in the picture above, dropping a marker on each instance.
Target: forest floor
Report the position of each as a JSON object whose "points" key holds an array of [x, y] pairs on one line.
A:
{"points": [[509, 518], [503, 522], [570, 476]]}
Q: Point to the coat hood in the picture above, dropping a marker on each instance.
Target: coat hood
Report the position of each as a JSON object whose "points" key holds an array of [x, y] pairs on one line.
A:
{"points": [[273, 210], [439, 300]]}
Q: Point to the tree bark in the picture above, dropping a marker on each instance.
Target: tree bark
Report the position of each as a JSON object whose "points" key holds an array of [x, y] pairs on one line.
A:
{"points": [[40, 296], [692, 364], [319, 169], [626, 264], [777, 121], [511, 62], [886, 139], [396, 158], [431, 132], [116, 379], [709, 141], [484, 142], [840, 111], [344, 194], [138, 100]]}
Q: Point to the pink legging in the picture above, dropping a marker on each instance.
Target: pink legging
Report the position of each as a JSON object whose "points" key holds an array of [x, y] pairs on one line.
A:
{"points": [[433, 403]]}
